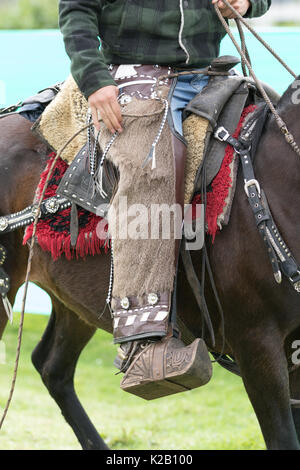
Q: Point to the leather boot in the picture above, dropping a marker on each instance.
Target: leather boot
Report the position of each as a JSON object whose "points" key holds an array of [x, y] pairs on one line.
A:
{"points": [[167, 367]]}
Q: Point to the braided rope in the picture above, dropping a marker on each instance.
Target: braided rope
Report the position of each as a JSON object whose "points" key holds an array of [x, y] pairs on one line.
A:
{"points": [[279, 121], [239, 18]]}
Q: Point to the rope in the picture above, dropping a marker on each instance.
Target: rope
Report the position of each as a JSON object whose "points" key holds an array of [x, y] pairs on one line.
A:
{"points": [[29, 263], [244, 47], [239, 19], [281, 124]]}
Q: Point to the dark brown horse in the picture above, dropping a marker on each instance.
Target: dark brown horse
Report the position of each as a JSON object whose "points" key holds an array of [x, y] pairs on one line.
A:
{"points": [[262, 318]]}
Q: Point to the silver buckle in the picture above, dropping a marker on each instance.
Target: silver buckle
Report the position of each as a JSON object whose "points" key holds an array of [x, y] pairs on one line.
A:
{"points": [[297, 287], [249, 183], [296, 283], [218, 132]]}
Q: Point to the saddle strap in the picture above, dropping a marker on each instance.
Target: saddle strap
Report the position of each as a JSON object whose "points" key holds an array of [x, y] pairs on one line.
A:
{"points": [[11, 222], [281, 258], [196, 288]]}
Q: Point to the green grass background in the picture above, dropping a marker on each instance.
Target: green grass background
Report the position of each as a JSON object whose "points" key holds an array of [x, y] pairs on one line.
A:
{"points": [[217, 416]]}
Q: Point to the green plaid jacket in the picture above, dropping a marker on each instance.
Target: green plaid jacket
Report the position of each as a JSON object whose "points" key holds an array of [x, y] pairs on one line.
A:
{"points": [[179, 33]]}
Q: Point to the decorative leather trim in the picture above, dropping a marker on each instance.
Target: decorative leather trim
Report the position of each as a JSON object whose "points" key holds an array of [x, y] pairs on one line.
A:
{"points": [[140, 321]]}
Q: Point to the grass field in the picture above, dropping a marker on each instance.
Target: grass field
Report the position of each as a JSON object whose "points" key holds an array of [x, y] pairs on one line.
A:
{"points": [[217, 416]]}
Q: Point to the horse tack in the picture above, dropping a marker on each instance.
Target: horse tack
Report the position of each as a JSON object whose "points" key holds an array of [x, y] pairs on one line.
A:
{"points": [[173, 369], [23, 218], [280, 256], [279, 121]]}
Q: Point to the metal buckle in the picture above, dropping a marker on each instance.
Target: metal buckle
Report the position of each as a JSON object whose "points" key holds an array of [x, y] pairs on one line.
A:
{"points": [[219, 131], [297, 286], [243, 151], [35, 211], [3, 223], [249, 183], [296, 281]]}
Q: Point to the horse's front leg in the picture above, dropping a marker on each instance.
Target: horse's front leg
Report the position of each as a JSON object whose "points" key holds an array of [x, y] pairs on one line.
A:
{"points": [[55, 358], [264, 370]]}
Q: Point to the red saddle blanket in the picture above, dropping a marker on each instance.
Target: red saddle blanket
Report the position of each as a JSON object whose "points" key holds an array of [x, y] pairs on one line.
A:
{"points": [[53, 231]]}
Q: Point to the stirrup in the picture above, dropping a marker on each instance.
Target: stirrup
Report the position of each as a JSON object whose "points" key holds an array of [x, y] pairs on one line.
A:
{"points": [[167, 367], [126, 353]]}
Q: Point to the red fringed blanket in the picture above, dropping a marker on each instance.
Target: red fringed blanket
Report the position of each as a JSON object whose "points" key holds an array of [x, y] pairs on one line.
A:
{"points": [[217, 196], [53, 232]]}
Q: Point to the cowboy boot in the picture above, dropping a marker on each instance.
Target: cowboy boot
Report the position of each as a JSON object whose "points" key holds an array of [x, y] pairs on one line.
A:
{"points": [[167, 367]]}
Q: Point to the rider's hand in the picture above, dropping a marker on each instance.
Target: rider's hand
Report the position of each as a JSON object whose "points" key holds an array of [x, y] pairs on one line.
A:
{"points": [[104, 104], [241, 6]]}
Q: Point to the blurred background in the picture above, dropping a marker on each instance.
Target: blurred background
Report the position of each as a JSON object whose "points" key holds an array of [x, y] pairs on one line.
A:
{"points": [[32, 57]]}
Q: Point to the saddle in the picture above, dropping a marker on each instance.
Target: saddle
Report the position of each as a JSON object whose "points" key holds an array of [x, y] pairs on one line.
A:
{"points": [[220, 104]]}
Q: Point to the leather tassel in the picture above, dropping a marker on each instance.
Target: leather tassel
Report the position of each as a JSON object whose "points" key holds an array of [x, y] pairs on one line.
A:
{"points": [[99, 181], [74, 225], [153, 159], [151, 155], [99, 175]]}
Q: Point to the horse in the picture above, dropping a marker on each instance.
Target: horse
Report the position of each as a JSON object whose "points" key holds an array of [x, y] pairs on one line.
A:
{"points": [[261, 317]]}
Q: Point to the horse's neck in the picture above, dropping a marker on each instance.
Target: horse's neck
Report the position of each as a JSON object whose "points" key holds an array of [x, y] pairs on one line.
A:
{"points": [[289, 107], [276, 156]]}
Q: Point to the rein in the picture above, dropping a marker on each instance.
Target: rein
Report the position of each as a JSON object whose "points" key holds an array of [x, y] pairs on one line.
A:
{"points": [[281, 124]]}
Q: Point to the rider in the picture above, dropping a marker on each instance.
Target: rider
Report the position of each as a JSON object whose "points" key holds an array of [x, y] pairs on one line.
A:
{"points": [[182, 34]]}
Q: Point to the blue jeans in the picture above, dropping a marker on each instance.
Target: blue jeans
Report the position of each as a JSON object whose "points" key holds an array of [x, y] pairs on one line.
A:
{"points": [[186, 88]]}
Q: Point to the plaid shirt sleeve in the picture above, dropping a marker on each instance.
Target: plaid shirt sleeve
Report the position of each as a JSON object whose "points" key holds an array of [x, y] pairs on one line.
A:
{"points": [[258, 8], [78, 21]]}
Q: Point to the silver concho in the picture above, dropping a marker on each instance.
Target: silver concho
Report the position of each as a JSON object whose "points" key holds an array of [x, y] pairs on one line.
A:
{"points": [[2, 256], [3, 223], [52, 205], [152, 299], [125, 303]]}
